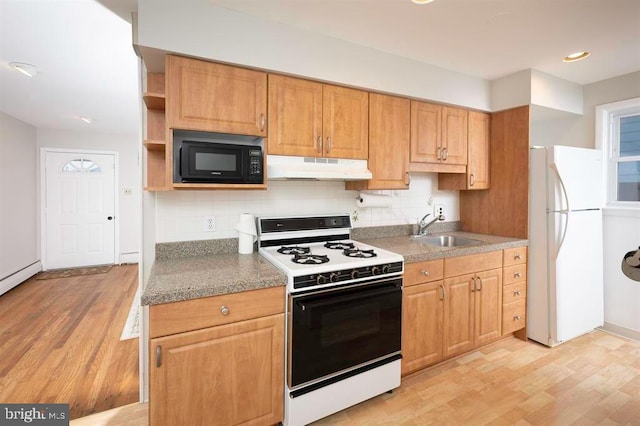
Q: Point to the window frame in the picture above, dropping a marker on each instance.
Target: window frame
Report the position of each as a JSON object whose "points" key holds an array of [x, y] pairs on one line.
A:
{"points": [[608, 140]]}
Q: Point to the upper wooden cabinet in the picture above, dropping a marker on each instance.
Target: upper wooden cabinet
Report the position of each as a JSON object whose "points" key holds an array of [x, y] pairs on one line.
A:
{"points": [[212, 97], [317, 120], [389, 128], [478, 173], [438, 138]]}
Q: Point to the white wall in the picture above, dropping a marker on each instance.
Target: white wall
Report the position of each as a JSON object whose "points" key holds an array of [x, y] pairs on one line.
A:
{"points": [[199, 28], [129, 178], [19, 230], [180, 215], [621, 294]]}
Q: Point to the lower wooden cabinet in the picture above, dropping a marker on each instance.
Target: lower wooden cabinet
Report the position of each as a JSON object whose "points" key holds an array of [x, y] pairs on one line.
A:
{"points": [[422, 326], [445, 318], [223, 375]]}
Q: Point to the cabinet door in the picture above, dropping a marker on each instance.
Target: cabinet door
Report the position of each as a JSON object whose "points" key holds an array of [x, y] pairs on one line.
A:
{"points": [[426, 132], [389, 126], [454, 135], [488, 306], [346, 122], [295, 117], [223, 375], [478, 169], [458, 314], [213, 97], [422, 322]]}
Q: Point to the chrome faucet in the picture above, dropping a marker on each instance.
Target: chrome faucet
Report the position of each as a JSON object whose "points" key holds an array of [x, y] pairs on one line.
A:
{"points": [[423, 226]]}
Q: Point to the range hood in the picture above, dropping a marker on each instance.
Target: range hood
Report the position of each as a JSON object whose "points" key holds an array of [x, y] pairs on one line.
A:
{"points": [[280, 167]]}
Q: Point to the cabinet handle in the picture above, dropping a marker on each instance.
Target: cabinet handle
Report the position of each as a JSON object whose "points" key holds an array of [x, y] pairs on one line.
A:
{"points": [[472, 179], [263, 122], [318, 144], [516, 318], [480, 281], [517, 275], [328, 145], [425, 272], [444, 292], [407, 179], [516, 293], [224, 310], [517, 257], [445, 154], [439, 153], [475, 284], [158, 356]]}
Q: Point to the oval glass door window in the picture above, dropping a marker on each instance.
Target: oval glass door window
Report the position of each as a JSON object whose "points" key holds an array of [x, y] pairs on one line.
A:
{"points": [[81, 165]]}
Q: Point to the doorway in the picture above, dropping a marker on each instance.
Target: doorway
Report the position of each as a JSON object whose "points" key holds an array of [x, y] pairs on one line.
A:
{"points": [[79, 206]]}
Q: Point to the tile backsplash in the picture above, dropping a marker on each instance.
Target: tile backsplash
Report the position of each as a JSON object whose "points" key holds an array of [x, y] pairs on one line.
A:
{"points": [[182, 215]]}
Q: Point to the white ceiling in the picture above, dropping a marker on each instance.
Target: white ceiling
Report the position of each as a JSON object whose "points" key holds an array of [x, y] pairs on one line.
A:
{"points": [[88, 67], [86, 61], [482, 38]]}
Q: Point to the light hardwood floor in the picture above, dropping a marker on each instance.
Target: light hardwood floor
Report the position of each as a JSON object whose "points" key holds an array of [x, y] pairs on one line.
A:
{"points": [[60, 342], [592, 380]]}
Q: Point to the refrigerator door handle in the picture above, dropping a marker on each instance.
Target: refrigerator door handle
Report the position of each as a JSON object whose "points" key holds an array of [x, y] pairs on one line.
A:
{"points": [[553, 167], [564, 232]]}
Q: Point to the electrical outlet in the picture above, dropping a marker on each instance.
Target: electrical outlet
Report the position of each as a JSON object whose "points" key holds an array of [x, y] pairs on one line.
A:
{"points": [[128, 191], [438, 210], [210, 224]]}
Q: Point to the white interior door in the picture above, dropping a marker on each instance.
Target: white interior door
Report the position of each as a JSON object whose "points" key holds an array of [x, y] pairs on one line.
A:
{"points": [[79, 209]]}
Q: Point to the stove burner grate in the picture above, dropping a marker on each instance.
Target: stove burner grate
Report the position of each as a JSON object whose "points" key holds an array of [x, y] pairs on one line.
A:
{"points": [[338, 245], [310, 259], [356, 252], [294, 250]]}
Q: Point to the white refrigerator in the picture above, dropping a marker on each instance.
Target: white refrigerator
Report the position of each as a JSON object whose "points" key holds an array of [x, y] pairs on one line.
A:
{"points": [[565, 271]]}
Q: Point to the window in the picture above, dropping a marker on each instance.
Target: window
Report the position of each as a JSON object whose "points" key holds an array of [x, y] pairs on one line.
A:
{"points": [[628, 158], [618, 134], [81, 165]]}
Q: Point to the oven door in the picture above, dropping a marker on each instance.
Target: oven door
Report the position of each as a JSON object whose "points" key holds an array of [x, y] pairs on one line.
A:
{"points": [[336, 330]]}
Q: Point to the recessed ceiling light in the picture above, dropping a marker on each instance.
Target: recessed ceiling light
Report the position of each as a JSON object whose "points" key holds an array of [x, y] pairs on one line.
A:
{"points": [[422, 1], [576, 56], [86, 120], [25, 69]]}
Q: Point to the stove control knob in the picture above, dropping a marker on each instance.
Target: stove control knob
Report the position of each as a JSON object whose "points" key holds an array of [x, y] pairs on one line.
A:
{"points": [[321, 279], [376, 270], [385, 269], [334, 278], [355, 275]]}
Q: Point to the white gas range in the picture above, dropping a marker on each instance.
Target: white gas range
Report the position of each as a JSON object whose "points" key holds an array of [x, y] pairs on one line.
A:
{"points": [[344, 314]]}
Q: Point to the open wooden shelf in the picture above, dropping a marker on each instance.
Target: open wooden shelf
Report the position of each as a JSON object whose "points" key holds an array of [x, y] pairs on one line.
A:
{"points": [[155, 145], [154, 100]]}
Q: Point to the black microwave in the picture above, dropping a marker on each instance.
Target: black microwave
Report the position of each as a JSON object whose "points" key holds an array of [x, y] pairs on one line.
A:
{"points": [[217, 162]]}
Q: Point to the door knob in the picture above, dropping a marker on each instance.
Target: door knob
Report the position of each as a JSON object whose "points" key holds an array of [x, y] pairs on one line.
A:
{"points": [[109, 217]]}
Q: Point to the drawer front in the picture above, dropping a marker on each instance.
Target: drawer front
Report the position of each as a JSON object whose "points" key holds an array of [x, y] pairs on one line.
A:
{"points": [[513, 316], [188, 315], [423, 272], [514, 274], [513, 292], [515, 256], [454, 266]]}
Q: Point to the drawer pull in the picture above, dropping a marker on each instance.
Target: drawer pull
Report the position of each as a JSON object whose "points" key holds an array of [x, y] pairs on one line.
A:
{"points": [[517, 275], [516, 318], [425, 272], [517, 257], [224, 310], [516, 293]]}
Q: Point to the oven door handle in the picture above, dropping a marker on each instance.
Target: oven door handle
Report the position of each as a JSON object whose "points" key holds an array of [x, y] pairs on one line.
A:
{"points": [[346, 298]]}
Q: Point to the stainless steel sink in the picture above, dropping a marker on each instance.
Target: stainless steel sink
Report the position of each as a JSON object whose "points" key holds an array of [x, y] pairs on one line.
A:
{"points": [[445, 240]]}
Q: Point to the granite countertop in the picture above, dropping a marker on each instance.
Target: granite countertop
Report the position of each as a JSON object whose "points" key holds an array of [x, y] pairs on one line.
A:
{"points": [[176, 279], [414, 251]]}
